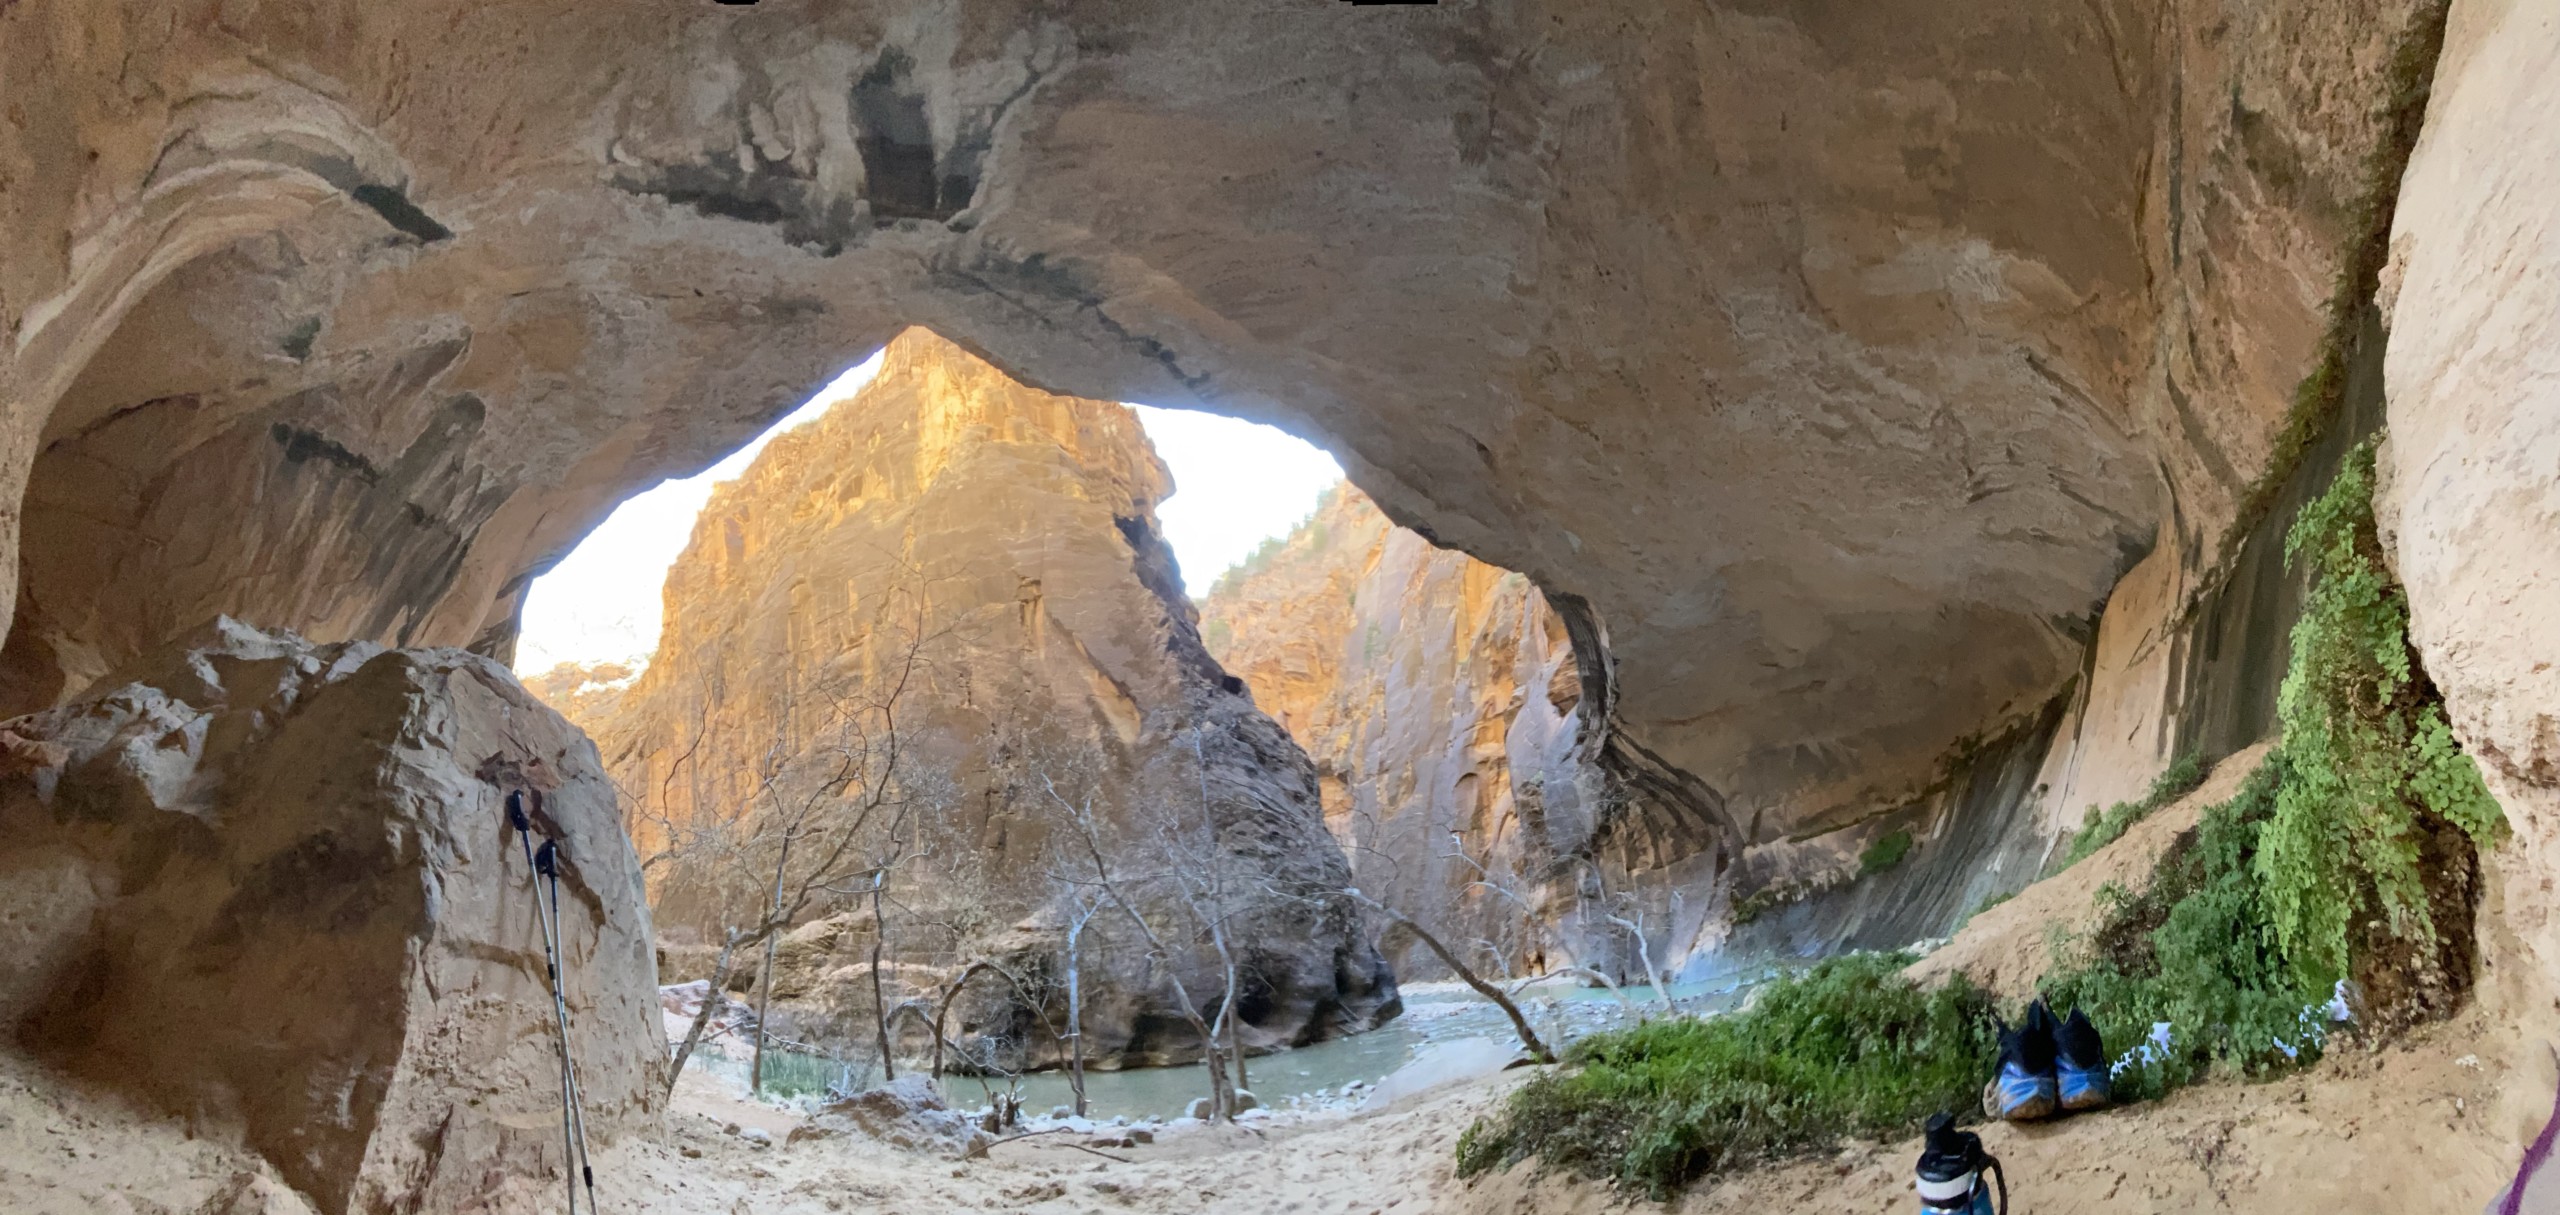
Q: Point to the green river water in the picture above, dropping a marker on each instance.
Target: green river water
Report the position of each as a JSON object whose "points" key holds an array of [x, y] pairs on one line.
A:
{"points": [[1434, 1013]]}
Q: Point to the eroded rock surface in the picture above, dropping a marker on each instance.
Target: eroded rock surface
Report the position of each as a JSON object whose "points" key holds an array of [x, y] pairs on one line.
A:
{"points": [[267, 886], [990, 552], [1835, 367], [1442, 702], [2469, 480]]}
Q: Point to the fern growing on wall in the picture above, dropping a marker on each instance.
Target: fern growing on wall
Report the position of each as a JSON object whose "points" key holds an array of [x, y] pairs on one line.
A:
{"points": [[2253, 916], [2366, 745]]}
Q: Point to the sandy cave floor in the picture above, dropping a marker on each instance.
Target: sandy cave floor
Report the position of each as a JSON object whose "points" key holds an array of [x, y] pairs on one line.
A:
{"points": [[2410, 1129]]}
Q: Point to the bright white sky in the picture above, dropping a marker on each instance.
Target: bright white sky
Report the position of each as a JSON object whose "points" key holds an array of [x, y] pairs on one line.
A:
{"points": [[1236, 484]]}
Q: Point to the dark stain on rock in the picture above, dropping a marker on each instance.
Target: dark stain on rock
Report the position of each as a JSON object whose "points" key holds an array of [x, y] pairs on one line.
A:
{"points": [[895, 138], [792, 307], [320, 881], [2193, 430], [441, 502], [413, 521], [184, 400], [395, 209], [1660, 813], [297, 344], [906, 175], [771, 195], [1037, 285], [303, 446]]}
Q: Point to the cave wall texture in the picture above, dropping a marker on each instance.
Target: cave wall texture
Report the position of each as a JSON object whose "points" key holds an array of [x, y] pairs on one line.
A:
{"points": [[262, 887], [1831, 369]]}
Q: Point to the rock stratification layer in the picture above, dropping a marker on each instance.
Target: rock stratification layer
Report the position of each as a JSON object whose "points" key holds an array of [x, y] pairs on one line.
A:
{"points": [[1836, 368], [987, 555], [268, 886]]}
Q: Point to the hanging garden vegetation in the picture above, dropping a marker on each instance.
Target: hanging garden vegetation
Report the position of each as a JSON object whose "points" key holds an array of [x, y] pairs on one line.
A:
{"points": [[2367, 749]]}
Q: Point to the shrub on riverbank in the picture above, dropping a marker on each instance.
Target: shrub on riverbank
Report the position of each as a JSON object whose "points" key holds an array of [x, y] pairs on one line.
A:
{"points": [[1850, 1047]]}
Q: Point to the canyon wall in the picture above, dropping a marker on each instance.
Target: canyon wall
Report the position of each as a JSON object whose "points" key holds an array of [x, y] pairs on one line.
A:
{"points": [[950, 589], [1438, 697], [1441, 703], [1852, 391], [1832, 370], [2468, 491]]}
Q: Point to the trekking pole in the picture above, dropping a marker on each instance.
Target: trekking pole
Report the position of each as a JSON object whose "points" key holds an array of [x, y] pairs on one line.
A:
{"points": [[535, 866], [548, 862]]}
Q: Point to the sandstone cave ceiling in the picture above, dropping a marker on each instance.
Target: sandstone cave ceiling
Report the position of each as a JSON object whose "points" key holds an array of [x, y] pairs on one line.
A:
{"points": [[1830, 369]]}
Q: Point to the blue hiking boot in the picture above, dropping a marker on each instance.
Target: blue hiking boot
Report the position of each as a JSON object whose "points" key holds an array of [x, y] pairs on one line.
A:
{"points": [[2025, 1087], [2079, 1064]]}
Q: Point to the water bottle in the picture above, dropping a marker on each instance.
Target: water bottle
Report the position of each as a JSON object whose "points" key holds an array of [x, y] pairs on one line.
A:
{"points": [[1950, 1176]]}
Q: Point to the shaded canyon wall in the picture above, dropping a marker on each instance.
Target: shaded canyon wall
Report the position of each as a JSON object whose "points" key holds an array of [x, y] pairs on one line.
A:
{"points": [[1829, 371]]}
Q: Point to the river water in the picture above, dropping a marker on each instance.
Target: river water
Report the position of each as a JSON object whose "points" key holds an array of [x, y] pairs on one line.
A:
{"points": [[1434, 1014]]}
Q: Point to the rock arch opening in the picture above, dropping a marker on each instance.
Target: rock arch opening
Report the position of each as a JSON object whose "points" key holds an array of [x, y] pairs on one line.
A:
{"points": [[1874, 411], [938, 626]]}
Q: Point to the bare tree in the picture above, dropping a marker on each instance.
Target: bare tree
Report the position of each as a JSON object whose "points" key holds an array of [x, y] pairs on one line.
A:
{"points": [[1644, 952], [827, 785], [1203, 876], [942, 1007], [1519, 1022], [1633, 924], [1091, 844], [1080, 909], [1498, 885], [896, 848]]}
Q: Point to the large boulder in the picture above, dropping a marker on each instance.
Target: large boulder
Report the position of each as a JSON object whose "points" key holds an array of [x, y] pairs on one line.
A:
{"points": [[907, 1113], [268, 886], [2469, 486]]}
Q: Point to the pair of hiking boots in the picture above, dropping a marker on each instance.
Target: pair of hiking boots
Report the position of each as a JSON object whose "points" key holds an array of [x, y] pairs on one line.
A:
{"points": [[2048, 1066]]}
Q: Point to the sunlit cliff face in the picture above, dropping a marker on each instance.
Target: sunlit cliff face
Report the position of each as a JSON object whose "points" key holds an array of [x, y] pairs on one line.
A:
{"points": [[939, 623]]}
